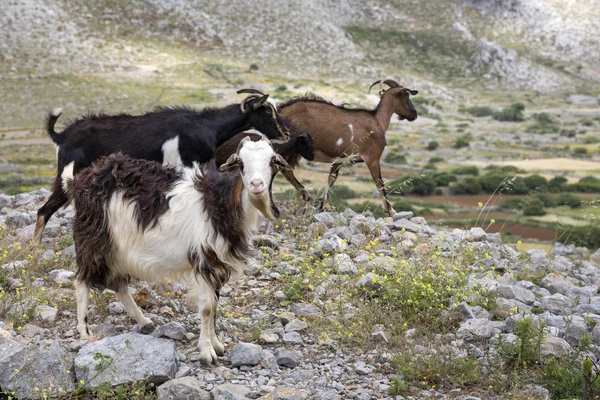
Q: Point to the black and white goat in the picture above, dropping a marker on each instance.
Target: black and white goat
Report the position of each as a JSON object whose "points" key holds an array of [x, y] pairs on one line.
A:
{"points": [[139, 219], [175, 136], [299, 145]]}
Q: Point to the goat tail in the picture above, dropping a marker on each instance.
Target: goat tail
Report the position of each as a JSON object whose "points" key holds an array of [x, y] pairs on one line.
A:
{"points": [[67, 179], [51, 119]]}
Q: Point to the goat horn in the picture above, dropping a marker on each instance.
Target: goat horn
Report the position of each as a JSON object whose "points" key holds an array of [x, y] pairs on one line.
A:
{"points": [[244, 140], [243, 106], [391, 83], [374, 83], [256, 91]]}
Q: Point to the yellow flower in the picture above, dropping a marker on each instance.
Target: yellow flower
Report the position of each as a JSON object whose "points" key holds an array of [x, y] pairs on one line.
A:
{"points": [[519, 243], [492, 221], [480, 204]]}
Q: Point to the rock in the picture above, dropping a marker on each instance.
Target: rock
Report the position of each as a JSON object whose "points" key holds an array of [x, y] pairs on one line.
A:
{"points": [[553, 347], [172, 330], [465, 311], [15, 265], [68, 252], [370, 281], [245, 354], [287, 358], [292, 338], [536, 391], [556, 304], [266, 241], [47, 255], [325, 217], [516, 292], [296, 325], [475, 234], [403, 224], [45, 313], [329, 394], [378, 334], [362, 369], [186, 388], [306, 310], [556, 284], [285, 393], [61, 276], [402, 215], [132, 357], [344, 264], [230, 391], [116, 308], [268, 338], [562, 264], [17, 219], [475, 329], [596, 334], [42, 365], [576, 330], [330, 245], [507, 307], [5, 201], [582, 295], [538, 259]]}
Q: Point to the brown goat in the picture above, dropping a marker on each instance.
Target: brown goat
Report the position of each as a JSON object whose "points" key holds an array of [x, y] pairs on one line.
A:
{"points": [[343, 135]]}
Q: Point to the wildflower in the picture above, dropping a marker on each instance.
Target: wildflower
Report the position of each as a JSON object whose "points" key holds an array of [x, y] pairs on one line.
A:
{"points": [[519, 243], [480, 204], [492, 221]]}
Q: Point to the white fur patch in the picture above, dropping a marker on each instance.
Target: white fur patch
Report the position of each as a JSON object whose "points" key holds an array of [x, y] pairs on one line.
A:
{"points": [[56, 112], [339, 142], [67, 175], [171, 154]]}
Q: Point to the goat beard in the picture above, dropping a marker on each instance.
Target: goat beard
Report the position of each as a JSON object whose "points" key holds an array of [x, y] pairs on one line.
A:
{"points": [[264, 204]]}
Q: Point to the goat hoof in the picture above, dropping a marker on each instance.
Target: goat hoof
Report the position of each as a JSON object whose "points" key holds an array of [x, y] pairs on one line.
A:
{"points": [[208, 356], [147, 329], [305, 196], [219, 349]]}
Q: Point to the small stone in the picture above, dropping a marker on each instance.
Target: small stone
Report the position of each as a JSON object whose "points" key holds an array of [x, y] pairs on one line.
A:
{"points": [[378, 334], [116, 308], [465, 311], [556, 304], [68, 252], [553, 347], [556, 284], [475, 329], [47, 255], [61, 276], [268, 338], [403, 224], [296, 325], [172, 330], [182, 389], [402, 215], [17, 219], [45, 313], [344, 264], [516, 292], [370, 281], [292, 338], [475, 234], [245, 354], [306, 310], [324, 217], [230, 391], [287, 358], [362, 369]]}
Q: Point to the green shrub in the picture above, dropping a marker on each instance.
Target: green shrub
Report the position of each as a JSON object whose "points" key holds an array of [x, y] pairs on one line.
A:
{"points": [[543, 124], [568, 199], [517, 185], [492, 181], [434, 160], [443, 178], [534, 208], [432, 145], [504, 169], [418, 184], [546, 199], [478, 111], [395, 158], [587, 184], [591, 139], [462, 141], [281, 88], [557, 183], [342, 192], [513, 113], [525, 350], [466, 170], [513, 203], [536, 182], [580, 152], [403, 205], [469, 185], [376, 209], [586, 236]]}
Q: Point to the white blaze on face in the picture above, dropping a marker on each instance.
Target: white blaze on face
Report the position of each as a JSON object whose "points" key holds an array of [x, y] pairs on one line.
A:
{"points": [[256, 158], [171, 154]]}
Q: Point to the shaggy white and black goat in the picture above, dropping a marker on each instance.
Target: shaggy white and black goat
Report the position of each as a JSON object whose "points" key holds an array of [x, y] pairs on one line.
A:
{"points": [[138, 219]]}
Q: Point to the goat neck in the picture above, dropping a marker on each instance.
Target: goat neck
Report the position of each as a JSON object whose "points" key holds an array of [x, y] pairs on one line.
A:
{"points": [[385, 110]]}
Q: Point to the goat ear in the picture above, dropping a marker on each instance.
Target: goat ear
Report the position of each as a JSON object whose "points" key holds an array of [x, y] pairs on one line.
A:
{"points": [[280, 163], [260, 101], [233, 162], [413, 92]]}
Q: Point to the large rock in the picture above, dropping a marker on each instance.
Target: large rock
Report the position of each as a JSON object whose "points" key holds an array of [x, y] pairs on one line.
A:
{"points": [[130, 357], [403, 224], [475, 329], [245, 354], [556, 284], [5, 201], [556, 304], [306, 310], [287, 358], [285, 393], [186, 388], [42, 365], [61, 276], [517, 293], [331, 245], [230, 391], [172, 330], [325, 217], [17, 219], [553, 347], [344, 264], [370, 281]]}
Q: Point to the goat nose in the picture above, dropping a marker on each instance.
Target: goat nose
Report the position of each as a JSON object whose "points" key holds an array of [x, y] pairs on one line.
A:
{"points": [[256, 182]]}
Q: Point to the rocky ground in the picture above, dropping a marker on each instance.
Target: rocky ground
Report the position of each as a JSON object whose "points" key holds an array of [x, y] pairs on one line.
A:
{"points": [[336, 305]]}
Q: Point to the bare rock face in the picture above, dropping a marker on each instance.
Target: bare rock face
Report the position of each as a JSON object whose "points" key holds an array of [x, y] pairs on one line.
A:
{"points": [[43, 365], [127, 358]]}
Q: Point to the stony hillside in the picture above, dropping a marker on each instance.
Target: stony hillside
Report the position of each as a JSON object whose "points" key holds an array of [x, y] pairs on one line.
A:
{"points": [[334, 306]]}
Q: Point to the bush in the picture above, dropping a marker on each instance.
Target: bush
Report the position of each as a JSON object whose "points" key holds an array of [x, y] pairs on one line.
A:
{"points": [[587, 184], [536, 182], [546, 199], [433, 145], [543, 124], [342, 192], [568, 199], [434, 160], [491, 182], [418, 184], [580, 152], [513, 203], [395, 158], [462, 141], [504, 169], [517, 185], [586, 236], [534, 208], [591, 139], [403, 205], [557, 183], [466, 170], [478, 111], [513, 113], [469, 185], [443, 178]]}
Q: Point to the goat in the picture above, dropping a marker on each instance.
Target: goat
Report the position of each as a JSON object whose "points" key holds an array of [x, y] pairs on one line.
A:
{"points": [[138, 219], [299, 145], [349, 135], [175, 136]]}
